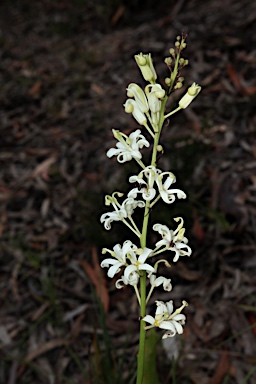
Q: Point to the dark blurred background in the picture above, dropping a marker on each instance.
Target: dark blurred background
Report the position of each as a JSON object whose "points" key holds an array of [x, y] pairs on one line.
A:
{"points": [[65, 66]]}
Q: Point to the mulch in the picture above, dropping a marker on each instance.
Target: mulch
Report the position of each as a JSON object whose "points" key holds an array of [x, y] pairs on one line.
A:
{"points": [[64, 69]]}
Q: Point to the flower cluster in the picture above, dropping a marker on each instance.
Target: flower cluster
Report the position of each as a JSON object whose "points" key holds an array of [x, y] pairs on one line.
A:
{"points": [[135, 263], [145, 105]]}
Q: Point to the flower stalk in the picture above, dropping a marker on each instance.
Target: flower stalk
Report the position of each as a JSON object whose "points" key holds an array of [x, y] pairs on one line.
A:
{"points": [[135, 262]]}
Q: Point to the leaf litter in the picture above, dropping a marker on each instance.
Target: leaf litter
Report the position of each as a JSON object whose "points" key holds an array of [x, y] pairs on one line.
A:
{"points": [[64, 70]]}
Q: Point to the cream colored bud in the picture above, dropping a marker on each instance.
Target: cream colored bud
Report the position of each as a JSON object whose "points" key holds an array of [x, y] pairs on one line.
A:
{"points": [[135, 91], [194, 89], [160, 94], [190, 95], [172, 51], [141, 59], [159, 148], [167, 81], [178, 85], [145, 64], [128, 108], [168, 61]]}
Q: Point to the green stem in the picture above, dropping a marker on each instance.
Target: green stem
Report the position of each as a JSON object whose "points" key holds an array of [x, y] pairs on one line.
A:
{"points": [[155, 201], [143, 242], [171, 113]]}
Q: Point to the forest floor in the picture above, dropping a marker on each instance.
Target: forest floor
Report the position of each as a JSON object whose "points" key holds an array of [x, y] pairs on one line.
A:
{"points": [[64, 70]]}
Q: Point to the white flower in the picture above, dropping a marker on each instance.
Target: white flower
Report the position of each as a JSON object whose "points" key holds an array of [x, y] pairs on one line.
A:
{"points": [[145, 64], [192, 92], [126, 256], [138, 264], [165, 318], [168, 195], [128, 147], [122, 211], [157, 281], [173, 240], [146, 188], [131, 106], [119, 255]]}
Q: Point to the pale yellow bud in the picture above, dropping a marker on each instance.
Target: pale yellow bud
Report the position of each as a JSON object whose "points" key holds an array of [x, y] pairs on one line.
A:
{"points": [[178, 85], [190, 95], [145, 64], [167, 81], [168, 61], [159, 148]]}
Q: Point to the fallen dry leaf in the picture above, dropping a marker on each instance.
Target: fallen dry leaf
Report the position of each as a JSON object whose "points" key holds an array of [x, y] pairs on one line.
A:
{"points": [[222, 369], [97, 278], [43, 168]]}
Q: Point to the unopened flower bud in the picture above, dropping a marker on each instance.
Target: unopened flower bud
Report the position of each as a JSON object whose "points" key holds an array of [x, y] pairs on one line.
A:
{"points": [[194, 89], [178, 85], [172, 51], [145, 64], [135, 91], [128, 107], [167, 81], [168, 61], [159, 148], [190, 95]]}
